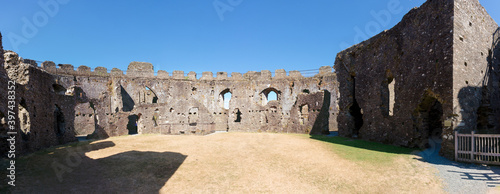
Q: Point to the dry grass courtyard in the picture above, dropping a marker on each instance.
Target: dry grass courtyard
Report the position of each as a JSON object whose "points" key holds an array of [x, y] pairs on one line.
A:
{"points": [[226, 163]]}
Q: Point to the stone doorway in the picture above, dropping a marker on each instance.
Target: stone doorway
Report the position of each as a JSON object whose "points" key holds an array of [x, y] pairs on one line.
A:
{"points": [[430, 123], [355, 111], [132, 124]]}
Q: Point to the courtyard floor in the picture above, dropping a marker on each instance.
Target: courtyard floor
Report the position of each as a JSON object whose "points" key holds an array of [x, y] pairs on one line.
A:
{"points": [[226, 163]]}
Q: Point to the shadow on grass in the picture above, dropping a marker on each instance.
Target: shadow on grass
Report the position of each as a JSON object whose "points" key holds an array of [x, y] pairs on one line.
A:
{"points": [[69, 169], [362, 144]]}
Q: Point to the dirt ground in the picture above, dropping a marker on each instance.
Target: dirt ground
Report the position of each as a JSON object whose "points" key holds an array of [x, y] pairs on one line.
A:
{"points": [[222, 163]]}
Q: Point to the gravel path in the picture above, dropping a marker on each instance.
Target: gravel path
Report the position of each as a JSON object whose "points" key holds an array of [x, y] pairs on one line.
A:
{"points": [[460, 177]]}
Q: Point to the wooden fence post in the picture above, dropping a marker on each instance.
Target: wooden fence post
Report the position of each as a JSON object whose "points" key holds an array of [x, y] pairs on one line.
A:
{"points": [[456, 145], [473, 149]]}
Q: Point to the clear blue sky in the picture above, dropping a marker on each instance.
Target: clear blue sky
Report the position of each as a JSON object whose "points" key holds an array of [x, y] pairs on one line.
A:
{"points": [[220, 35]]}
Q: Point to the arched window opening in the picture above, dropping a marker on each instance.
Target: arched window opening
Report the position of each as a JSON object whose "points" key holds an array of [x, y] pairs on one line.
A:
{"points": [[269, 94], [225, 98], [148, 96], [272, 96]]}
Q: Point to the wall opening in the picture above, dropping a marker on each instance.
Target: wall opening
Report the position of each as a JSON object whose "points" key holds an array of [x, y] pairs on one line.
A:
{"points": [[58, 89], [269, 94], [127, 101], [387, 95], [59, 122], [392, 96], [356, 111], [24, 118], [273, 109], [132, 124], [156, 116], [303, 114], [272, 96], [225, 98], [3, 123], [193, 116], [148, 96], [430, 113], [384, 97], [238, 115], [321, 122]]}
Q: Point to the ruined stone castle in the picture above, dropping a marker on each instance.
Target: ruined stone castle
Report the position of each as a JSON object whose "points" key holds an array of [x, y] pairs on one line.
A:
{"points": [[58, 103], [435, 72]]}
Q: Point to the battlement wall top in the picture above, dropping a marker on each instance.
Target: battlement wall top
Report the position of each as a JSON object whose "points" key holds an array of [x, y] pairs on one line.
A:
{"points": [[146, 70]]}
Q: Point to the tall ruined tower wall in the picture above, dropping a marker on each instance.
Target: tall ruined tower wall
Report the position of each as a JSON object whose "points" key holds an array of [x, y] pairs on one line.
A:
{"points": [[476, 95], [415, 56], [431, 74]]}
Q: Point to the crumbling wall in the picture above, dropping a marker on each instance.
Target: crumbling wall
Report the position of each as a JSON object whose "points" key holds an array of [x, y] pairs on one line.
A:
{"points": [[44, 112], [181, 104], [413, 61]]}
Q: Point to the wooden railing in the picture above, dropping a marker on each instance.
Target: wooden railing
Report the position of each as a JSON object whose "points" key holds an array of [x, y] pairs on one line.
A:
{"points": [[477, 148]]}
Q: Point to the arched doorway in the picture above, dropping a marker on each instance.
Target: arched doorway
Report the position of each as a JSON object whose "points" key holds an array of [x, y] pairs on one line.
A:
{"points": [[429, 121]]}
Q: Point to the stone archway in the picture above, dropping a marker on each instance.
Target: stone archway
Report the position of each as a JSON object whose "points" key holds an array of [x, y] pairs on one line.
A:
{"points": [[429, 118]]}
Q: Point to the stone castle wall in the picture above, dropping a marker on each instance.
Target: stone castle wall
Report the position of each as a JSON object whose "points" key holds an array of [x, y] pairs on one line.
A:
{"points": [[476, 95], [414, 84], [181, 104]]}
